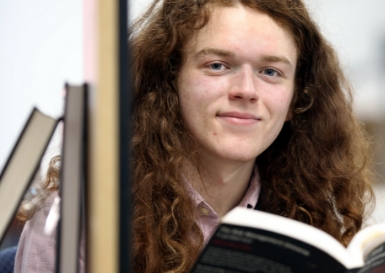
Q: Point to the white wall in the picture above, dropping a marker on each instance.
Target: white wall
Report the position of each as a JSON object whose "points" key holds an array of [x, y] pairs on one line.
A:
{"points": [[40, 49], [356, 28]]}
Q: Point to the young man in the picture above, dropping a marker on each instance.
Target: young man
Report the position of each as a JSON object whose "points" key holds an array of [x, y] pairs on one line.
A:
{"points": [[237, 103]]}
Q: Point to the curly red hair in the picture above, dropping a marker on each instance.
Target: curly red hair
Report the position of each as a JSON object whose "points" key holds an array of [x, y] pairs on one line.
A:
{"points": [[317, 171]]}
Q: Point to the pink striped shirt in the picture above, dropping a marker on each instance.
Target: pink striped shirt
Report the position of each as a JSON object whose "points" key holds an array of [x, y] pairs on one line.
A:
{"points": [[36, 251], [208, 219]]}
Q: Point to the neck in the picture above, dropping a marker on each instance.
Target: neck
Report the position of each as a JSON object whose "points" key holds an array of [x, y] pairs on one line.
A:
{"points": [[221, 184]]}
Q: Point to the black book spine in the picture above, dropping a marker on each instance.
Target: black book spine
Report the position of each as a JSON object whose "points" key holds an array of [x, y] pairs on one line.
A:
{"points": [[125, 113]]}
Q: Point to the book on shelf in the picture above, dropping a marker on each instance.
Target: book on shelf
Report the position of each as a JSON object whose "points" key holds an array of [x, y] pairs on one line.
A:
{"points": [[254, 241], [22, 164], [72, 179]]}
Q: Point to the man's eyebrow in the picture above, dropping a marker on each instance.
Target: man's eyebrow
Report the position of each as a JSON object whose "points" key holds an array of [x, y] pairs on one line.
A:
{"points": [[276, 59], [227, 53], [214, 51]]}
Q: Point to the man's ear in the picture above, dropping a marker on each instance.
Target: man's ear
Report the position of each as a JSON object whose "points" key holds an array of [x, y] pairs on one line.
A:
{"points": [[289, 115]]}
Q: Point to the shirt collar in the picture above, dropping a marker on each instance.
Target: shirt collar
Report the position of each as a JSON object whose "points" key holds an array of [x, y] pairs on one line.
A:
{"points": [[249, 200]]}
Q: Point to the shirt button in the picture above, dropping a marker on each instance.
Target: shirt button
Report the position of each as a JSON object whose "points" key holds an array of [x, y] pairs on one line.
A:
{"points": [[204, 211]]}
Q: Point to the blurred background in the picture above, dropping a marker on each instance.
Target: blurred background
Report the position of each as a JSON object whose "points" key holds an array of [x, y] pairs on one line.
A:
{"points": [[41, 48]]}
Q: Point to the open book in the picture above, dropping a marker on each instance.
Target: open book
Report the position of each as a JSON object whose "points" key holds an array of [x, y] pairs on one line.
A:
{"points": [[254, 241]]}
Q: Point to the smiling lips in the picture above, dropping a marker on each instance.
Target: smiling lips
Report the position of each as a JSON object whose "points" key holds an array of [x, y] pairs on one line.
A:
{"points": [[239, 118]]}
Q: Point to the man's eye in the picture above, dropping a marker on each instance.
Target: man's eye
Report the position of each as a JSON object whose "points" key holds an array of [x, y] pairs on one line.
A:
{"points": [[216, 66], [270, 72]]}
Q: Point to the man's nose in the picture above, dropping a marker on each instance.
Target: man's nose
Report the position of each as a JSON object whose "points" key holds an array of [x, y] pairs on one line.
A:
{"points": [[244, 85]]}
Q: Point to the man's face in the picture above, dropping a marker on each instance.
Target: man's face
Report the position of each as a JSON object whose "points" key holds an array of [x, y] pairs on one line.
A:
{"points": [[236, 84]]}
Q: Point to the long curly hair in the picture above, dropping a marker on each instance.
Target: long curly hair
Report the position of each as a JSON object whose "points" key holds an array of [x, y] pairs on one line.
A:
{"points": [[317, 171], [40, 190]]}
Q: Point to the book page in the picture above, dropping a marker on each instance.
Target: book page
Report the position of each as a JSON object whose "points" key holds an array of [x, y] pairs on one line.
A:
{"points": [[366, 240], [374, 261], [23, 163]]}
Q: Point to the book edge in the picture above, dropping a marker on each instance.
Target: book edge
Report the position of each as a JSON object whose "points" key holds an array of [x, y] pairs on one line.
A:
{"points": [[294, 229]]}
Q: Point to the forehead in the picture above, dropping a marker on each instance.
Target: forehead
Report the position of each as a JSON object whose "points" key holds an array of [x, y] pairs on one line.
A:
{"points": [[239, 27]]}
